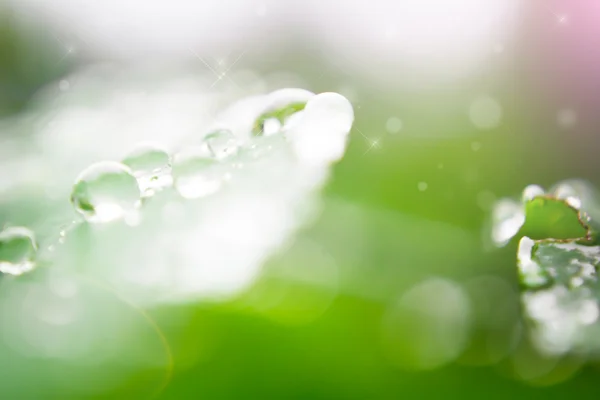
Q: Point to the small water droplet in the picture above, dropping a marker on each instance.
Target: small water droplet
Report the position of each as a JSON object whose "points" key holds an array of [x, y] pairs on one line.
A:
{"points": [[422, 186], [531, 273], [574, 202], [507, 218], [62, 236], [106, 191], [17, 250], [567, 192], [531, 192], [196, 174], [151, 165], [222, 143]]}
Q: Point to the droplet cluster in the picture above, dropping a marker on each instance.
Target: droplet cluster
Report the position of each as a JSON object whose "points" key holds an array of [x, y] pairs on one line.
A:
{"points": [[313, 127]]}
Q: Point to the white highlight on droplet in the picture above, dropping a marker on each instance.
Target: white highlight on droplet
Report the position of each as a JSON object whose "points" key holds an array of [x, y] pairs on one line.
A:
{"points": [[531, 192]]}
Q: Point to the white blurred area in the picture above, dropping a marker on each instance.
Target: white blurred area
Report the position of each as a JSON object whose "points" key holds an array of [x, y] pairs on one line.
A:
{"points": [[435, 39], [179, 250]]}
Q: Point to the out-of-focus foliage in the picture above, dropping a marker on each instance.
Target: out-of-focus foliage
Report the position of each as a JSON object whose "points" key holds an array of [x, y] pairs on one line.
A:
{"points": [[29, 58], [558, 258], [389, 292]]}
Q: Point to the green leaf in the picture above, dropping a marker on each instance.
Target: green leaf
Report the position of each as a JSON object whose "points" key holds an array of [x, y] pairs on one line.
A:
{"points": [[548, 217], [558, 259], [570, 263]]}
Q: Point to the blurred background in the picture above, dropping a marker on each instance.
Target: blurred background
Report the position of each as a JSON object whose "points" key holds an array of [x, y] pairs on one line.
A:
{"points": [[386, 286]]}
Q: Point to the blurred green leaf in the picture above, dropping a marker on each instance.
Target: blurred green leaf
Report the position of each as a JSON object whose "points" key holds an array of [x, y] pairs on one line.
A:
{"points": [[548, 217], [557, 264]]}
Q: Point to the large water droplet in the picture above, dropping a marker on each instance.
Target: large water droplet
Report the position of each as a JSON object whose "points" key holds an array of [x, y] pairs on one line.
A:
{"points": [[151, 165], [106, 191], [281, 105], [17, 250], [196, 173], [319, 137], [222, 143]]}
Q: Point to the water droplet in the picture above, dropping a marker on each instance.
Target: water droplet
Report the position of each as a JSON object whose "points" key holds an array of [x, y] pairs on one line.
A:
{"points": [[17, 250], [196, 173], [280, 105], [485, 112], [574, 202], [476, 146], [531, 273], [422, 186], [507, 218], [570, 194], [222, 143], [319, 137], [106, 191], [393, 125], [531, 192], [151, 165]]}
